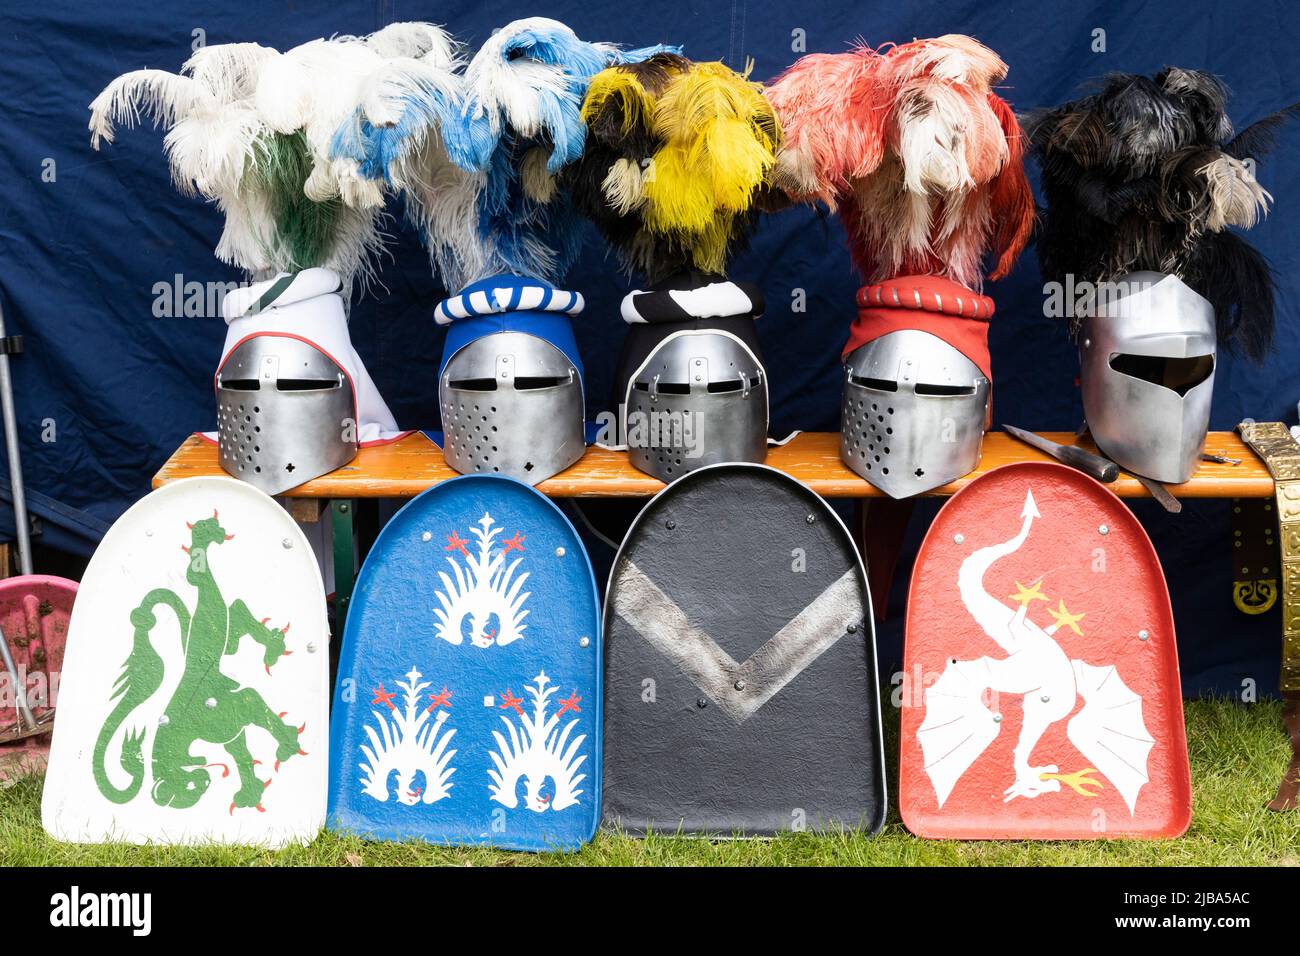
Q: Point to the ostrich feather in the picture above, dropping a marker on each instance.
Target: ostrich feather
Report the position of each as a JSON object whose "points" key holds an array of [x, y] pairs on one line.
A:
{"points": [[428, 42], [1145, 173], [249, 129], [951, 58], [229, 71], [832, 114], [476, 155], [677, 157], [163, 97], [910, 143], [529, 77]]}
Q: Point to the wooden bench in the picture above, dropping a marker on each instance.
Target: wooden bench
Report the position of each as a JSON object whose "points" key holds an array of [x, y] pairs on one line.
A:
{"points": [[404, 468]]}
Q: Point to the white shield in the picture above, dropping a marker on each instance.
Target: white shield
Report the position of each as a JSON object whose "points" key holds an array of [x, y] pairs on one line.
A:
{"points": [[193, 702]]}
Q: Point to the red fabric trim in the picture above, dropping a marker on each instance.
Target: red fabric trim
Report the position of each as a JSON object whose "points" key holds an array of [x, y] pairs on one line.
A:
{"points": [[931, 304], [306, 341]]}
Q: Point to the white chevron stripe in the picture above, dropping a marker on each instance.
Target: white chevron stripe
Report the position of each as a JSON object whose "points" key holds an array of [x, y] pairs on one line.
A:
{"points": [[654, 615]]}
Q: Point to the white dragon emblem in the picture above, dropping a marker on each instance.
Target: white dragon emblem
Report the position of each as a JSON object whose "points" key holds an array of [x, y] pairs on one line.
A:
{"points": [[959, 726]]}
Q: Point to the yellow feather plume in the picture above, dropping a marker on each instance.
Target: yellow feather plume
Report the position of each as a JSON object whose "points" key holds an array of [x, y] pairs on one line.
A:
{"points": [[616, 86], [687, 148], [720, 137]]}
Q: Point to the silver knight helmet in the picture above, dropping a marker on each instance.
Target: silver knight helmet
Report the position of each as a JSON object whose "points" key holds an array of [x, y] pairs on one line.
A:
{"points": [[286, 413], [700, 398], [1147, 353], [510, 390], [916, 385], [691, 382]]}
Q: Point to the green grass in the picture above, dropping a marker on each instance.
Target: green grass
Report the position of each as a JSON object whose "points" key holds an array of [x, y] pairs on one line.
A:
{"points": [[1238, 754]]}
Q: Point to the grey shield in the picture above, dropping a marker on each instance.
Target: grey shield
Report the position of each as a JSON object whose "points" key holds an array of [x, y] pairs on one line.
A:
{"points": [[511, 405], [740, 676], [285, 413], [912, 414], [699, 399], [1147, 357]]}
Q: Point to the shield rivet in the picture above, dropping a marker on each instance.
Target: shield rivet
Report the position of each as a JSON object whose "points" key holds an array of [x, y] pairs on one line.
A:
{"points": [[584, 642], [311, 647], [852, 629], [1104, 529], [959, 538], [997, 718], [287, 544], [210, 703], [559, 552], [739, 685], [812, 519], [670, 524], [1143, 634], [427, 536], [149, 533], [164, 720], [701, 703], [1045, 698]]}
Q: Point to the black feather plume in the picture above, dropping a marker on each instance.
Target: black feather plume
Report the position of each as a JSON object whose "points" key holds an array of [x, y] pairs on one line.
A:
{"points": [[1144, 173]]}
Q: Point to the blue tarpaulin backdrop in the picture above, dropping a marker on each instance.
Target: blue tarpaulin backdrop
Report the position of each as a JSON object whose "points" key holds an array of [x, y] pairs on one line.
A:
{"points": [[106, 391]]}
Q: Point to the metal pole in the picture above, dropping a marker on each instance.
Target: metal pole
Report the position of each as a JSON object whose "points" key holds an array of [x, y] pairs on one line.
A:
{"points": [[20, 691], [15, 461]]}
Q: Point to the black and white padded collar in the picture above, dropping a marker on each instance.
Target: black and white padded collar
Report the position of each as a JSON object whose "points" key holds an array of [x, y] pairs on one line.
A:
{"points": [[692, 295]]}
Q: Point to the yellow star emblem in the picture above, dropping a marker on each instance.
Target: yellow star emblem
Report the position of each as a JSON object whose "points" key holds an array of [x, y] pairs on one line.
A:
{"points": [[1024, 595], [1064, 618]]}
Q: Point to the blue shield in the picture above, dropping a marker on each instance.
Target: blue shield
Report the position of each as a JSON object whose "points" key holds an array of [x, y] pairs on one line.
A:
{"points": [[468, 703]]}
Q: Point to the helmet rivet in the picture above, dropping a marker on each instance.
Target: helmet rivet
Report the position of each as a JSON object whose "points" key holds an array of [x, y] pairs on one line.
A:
{"points": [[584, 642], [701, 703], [997, 718], [1104, 529], [149, 533], [1045, 698], [1143, 634], [311, 647], [210, 703], [670, 524], [287, 544], [852, 629], [164, 720], [959, 539], [739, 685], [427, 536], [559, 552], [812, 519]]}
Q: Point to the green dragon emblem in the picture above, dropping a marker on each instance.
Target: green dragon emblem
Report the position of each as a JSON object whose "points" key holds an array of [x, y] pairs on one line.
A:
{"points": [[207, 704]]}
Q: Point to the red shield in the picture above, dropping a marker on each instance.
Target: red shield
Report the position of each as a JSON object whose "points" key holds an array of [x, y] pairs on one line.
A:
{"points": [[1041, 696]]}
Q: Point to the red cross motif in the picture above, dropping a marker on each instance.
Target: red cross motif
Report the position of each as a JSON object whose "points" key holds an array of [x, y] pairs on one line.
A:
{"points": [[383, 697], [514, 544], [510, 700], [570, 704], [456, 543], [440, 700]]}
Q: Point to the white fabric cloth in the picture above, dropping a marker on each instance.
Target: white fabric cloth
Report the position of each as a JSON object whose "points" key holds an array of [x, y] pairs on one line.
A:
{"points": [[308, 306]]}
